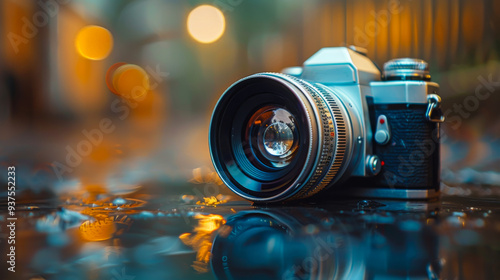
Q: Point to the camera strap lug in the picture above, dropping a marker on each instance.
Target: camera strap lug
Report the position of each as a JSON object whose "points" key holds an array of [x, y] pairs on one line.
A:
{"points": [[433, 113]]}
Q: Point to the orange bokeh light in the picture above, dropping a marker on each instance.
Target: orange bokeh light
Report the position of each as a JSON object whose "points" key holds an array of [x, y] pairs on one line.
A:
{"points": [[94, 42], [127, 80]]}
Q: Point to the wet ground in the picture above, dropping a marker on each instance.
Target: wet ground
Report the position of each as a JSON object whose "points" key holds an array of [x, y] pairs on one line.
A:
{"points": [[143, 233]]}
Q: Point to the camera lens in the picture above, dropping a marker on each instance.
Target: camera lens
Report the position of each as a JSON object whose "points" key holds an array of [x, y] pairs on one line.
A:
{"points": [[275, 137]]}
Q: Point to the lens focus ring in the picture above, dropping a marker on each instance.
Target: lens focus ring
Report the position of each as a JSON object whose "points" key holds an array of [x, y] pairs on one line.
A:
{"points": [[334, 142], [333, 133], [339, 127]]}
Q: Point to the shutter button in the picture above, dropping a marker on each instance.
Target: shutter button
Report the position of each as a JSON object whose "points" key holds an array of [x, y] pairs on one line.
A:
{"points": [[383, 133]]}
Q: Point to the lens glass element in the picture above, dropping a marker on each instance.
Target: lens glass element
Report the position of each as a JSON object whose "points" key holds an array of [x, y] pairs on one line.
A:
{"points": [[278, 139], [273, 136]]}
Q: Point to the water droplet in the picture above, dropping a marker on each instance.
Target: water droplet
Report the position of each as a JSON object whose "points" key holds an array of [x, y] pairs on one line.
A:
{"points": [[188, 198], [119, 201], [146, 214]]}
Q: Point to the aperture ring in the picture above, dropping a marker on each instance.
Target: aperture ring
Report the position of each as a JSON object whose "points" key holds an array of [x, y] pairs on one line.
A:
{"points": [[334, 143], [333, 139], [327, 146], [326, 134], [341, 137]]}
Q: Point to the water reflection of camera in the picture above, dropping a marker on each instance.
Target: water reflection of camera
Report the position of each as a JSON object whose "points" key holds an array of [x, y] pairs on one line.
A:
{"points": [[337, 120], [304, 243]]}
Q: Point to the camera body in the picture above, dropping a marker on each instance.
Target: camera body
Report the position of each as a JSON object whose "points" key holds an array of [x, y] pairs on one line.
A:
{"points": [[365, 133], [397, 145]]}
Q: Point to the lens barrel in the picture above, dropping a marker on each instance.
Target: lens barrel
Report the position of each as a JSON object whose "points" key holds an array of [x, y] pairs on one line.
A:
{"points": [[274, 137]]}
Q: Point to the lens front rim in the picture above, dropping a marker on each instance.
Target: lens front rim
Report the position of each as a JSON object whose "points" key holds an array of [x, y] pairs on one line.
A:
{"points": [[309, 134]]}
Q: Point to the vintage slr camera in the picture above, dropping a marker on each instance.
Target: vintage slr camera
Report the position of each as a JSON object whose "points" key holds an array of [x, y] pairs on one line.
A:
{"points": [[336, 123]]}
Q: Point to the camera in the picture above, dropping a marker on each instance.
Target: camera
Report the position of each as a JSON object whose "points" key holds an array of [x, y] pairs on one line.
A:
{"points": [[336, 126]]}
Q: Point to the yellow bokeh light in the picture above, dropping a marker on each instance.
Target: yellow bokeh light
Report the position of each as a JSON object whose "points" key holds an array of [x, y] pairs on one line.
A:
{"points": [[206, 24], [94, 42], [128, 80]]}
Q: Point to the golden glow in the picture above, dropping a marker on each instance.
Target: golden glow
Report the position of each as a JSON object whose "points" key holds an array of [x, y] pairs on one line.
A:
{"points": [[80, 78], [93, 190], [128, 80], [472, 22], [105, 208], [104, 227], [201, 239], [109, 76], [206, 24], [98, 230], [94, 42], [211, 201], [205, 176]]}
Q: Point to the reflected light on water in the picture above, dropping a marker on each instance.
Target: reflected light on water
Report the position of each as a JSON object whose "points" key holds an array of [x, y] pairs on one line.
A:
{"points": [[109, 217], [201, 239], [212, 201], [105, 228], [98, 230]]}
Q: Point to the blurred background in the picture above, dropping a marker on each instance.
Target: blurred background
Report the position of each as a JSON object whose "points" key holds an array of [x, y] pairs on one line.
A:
{"points": [[105, 108], [66, 67]]}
